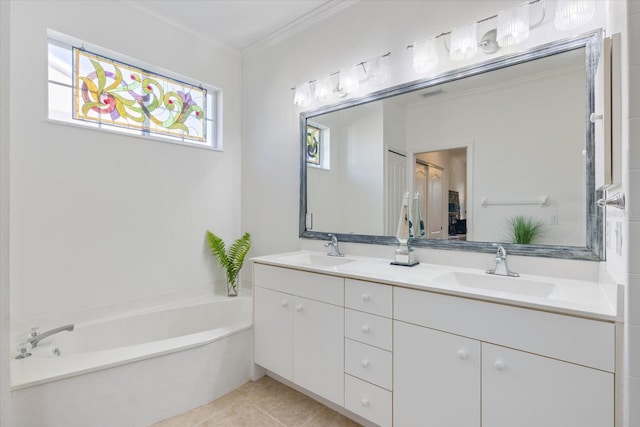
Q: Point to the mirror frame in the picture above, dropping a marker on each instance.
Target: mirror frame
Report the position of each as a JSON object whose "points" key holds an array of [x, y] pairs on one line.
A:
{"points": [[592, 251]]}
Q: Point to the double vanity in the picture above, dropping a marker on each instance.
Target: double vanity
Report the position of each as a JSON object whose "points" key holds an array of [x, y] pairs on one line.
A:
{"points": [[436, 346]]}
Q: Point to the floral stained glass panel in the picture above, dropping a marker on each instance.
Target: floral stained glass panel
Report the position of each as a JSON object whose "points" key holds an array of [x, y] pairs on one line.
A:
{"points": [[313, 144], [118, 94]]}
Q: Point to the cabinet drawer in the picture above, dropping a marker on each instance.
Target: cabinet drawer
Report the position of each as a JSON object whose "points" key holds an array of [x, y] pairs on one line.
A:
{"points": [[368, 363], [369, 329], [369, 297], [370, 402], [577, 340], [319, 287]]}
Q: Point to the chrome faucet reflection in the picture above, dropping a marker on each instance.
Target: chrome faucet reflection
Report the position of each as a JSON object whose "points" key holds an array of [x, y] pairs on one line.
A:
{"points": [[334, 247], [501, 269]]}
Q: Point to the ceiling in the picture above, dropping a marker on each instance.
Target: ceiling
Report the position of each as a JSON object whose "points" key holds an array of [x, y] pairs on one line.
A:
{"points": [[239, 24]]}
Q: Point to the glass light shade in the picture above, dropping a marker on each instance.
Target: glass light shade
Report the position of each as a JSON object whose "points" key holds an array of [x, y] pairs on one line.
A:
{"points": [[302, 96], [464, 42], [377, 71], [572, 14], [349, 81], [513, 25], [425, 55], [324, 88]]}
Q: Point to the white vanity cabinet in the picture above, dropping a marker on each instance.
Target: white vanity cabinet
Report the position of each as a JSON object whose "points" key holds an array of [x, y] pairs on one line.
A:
{"points": [[457, 363], [369, 350], [436, 378], [527, 390], [401, 356], [299, 328], [273, 337]]}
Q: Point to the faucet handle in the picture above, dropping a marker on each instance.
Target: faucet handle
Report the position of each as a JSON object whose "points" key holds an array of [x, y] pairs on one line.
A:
{"points": [[34, 332], [333, 242], [501, 252]]}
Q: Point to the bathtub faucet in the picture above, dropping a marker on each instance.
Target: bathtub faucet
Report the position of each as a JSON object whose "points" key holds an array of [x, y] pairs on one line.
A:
{"points": [[36, 337]]}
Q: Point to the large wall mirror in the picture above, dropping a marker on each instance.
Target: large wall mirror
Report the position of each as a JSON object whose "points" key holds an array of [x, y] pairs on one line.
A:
{"points": [[477, 148]]}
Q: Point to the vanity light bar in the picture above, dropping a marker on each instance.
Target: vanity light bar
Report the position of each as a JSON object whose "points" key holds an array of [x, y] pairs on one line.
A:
{"points": [[348, 81], [511, 30], [488, 41]]}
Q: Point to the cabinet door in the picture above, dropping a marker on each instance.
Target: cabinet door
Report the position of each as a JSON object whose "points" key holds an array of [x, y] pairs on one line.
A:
{"points": [[273, 331], [318, 348], [436, 378], [526, 390]]}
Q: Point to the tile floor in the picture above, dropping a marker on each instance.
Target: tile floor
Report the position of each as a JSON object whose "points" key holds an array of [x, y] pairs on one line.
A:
{"points": [[263, 403]]}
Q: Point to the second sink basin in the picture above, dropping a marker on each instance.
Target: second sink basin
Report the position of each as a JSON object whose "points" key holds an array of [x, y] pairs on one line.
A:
{"points": [[318, 260], [512, 285]]}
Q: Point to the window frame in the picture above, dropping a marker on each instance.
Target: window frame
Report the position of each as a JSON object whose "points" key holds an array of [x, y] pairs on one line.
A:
{"points": [[213, 116]]}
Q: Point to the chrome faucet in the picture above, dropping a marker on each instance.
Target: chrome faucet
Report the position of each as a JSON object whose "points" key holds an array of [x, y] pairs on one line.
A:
{"points": [[24, 347], [501, 269], [36, 337], [333, 244]]}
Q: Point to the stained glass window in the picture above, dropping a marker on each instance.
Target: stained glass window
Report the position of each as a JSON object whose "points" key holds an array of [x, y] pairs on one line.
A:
{"points": [[313, 144], [318, 146], [90, 89], [125, 96]]}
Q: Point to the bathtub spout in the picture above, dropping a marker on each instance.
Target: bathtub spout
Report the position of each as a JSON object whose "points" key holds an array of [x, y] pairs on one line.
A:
{"points": [[39, 337]]}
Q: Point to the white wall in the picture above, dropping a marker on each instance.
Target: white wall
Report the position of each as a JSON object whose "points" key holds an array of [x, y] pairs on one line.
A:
{"points": [[99, 219], [5, 348], [348, 197], [631, 221], [518, 153], [362, 31]]}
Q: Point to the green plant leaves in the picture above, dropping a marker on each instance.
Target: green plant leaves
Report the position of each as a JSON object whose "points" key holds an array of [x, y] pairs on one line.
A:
{"points": [[232, 259], [524, 230]]}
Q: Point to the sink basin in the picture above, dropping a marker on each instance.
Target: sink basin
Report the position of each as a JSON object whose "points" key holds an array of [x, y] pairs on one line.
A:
{"points": [[317, 260], [512, 285]]}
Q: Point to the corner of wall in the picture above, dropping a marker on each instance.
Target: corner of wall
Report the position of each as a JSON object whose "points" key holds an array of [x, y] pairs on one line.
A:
{"points": [[5, 385]]}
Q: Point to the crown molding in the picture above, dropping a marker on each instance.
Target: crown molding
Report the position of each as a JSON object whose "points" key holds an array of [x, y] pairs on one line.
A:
{"points": [[316, 15], [215, 42]]}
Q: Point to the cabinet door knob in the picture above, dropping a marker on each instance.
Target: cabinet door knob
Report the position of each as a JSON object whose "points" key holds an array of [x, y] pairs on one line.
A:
{"points": [[299, 307], [365, 297], [364, 401], [500, 365], [462, 354], [284, 304], [365, 329], [364, 363]]}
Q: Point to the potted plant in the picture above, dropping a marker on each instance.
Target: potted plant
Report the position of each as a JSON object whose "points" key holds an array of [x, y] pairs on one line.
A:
{"points": [[524, 230], [230, 260]]}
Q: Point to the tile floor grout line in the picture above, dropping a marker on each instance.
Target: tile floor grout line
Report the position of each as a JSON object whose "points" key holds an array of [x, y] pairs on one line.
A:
{"points": [[312, 417], [269, 415]]}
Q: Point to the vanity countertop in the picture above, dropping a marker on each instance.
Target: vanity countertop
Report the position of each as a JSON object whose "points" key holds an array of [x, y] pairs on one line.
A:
{"points": [[564, 296]]}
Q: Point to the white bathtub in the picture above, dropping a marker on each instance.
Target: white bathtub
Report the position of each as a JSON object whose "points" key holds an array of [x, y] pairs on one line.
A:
{"points": [[135, 369]]}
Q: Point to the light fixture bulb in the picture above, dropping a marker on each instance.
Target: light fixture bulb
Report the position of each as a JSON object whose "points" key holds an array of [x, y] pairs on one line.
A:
{"points": [[376, 71], [513, 25], [324, 88], [571, 14], [425, 55], [302, 96], [349, 81], [464, 42]]}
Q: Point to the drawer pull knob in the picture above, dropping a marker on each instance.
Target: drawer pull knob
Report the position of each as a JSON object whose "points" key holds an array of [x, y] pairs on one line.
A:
{"points": [[500, 365], [364, 401], [462, 354], [365, 329], [284, 304], [364, 363], [365, 297], [299, 307]]}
